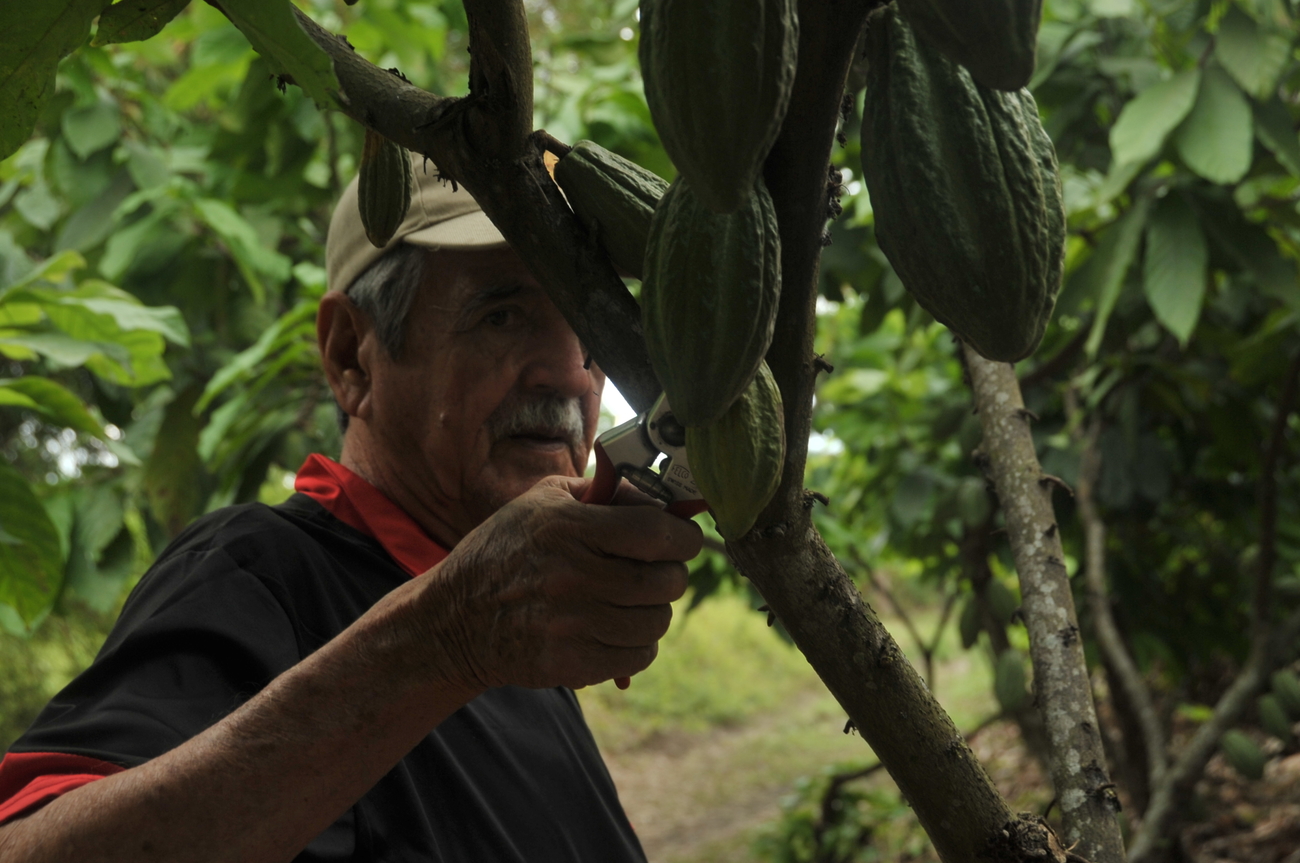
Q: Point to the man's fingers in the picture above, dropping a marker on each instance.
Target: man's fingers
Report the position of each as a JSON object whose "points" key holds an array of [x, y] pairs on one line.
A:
{"points": [[629, 495], [641, 533], [632, 627], [627, 583]]}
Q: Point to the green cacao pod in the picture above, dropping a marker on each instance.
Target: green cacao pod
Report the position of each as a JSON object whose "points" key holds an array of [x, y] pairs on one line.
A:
{"points": [[1287, 690], [613, 198], [994, 39], [384, 187], [966, 192], [968, 625], [1243, 754], [1009, 680], [708, 302], [1001, 601], [1273, 718], [718, 75], [737, 460]]}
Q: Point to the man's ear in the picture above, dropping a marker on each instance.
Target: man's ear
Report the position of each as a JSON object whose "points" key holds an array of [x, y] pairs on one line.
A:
{"points": [[346, 342]]}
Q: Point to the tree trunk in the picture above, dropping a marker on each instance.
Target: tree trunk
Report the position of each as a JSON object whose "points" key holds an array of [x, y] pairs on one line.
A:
{"points": [[1061, 686]]}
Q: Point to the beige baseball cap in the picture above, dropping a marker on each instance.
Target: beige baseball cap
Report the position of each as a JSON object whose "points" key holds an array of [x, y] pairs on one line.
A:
{"points": [[438, 218]]}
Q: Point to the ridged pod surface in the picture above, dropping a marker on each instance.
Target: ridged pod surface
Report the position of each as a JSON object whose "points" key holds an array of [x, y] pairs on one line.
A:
{"points": [[996, 40], [737, 460], [966, 192], [383, 188], [718, 75], [709, 298], [613, 198]]}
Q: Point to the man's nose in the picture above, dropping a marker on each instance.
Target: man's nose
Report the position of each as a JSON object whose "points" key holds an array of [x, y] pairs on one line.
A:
{"points": [[559, 362]]}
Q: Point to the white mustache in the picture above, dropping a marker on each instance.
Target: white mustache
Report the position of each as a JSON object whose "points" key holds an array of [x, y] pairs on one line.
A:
{"points": [[549, 416]]}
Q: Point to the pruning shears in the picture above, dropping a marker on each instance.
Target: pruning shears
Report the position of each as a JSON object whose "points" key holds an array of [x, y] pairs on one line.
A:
{"points": [[632, 450]]}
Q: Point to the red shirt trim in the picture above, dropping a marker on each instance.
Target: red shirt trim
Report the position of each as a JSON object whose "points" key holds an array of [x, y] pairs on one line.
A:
{"points": [[29, 780], [355, 502]]}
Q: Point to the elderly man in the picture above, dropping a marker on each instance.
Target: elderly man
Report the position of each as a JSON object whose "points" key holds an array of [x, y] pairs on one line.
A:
{"points": [[378, 669]]}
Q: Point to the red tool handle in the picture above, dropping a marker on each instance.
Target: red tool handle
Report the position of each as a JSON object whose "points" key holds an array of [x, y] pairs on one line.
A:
{"points": [[605, 483], [601, 491]]}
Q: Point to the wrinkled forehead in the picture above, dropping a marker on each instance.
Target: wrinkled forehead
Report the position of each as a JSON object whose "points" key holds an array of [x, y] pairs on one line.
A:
{"points": [[462, 282]]}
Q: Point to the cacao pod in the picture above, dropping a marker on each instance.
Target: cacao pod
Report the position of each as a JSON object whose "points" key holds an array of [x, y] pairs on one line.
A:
{"points": [[718, 75], [1243, 754], [995, 39], [709, 299], [1273, 718], [968, 625], [1009, 681], [1001, 600], [1287, 689], [613, 198], [737, 460], [383, 188], [966, 192]]}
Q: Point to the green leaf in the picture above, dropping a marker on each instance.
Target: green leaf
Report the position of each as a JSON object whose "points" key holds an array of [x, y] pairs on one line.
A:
{"points": [[1217, 138], [1276, 131], [274, 32], [173, 475], [1251, 247], [1106, 269], [252, 258], [293, 324], [1174, 270], [135, 20], [89, 130], [34, 37], [31, 569], [66, 351], [52, 270], [129, 312], [55, 401], [1147, 120], [1254, 55], [89, 225]]}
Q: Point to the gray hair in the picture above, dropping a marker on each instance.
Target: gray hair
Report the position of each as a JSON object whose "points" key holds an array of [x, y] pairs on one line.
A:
{"points": [[384, 293]]}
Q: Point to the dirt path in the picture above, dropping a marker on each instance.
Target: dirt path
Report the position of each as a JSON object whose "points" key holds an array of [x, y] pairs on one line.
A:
{"points": [[698, 797]]}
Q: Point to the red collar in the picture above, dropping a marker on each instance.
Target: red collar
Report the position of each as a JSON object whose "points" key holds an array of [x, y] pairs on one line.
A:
{"points": [[357, 503]]}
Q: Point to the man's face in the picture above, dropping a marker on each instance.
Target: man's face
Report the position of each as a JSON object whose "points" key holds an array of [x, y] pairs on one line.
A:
{"points": [[490, 393]]}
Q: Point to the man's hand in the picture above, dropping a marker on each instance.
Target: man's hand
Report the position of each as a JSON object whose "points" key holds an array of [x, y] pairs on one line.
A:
{"points": [[550, 591]]}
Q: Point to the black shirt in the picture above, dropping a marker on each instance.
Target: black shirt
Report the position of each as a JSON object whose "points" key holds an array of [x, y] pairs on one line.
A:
{"points": [[247, 592]]}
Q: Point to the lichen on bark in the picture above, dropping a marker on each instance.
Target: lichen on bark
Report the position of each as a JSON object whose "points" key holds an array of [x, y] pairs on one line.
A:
{"points": [[1061, 686]]}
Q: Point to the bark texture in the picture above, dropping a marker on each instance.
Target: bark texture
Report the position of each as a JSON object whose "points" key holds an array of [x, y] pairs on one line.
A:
{"points": [[1061, 685]]}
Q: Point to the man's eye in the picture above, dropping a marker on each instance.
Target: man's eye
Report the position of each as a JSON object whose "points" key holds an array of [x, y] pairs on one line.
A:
{"points": [[498, 318]]}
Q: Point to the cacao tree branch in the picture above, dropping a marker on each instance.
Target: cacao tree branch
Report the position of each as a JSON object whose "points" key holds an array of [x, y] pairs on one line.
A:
{"points": [[1108, 635], [1168, 797], [786, 558], [1064, 696], [483, 141]]}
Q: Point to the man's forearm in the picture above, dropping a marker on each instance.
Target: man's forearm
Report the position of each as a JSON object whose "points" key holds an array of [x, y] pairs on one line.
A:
{"points": [[265, 780]]}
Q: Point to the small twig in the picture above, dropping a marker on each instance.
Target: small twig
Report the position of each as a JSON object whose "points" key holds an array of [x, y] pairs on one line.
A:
{"points": [[550, 144], [1047, 479]]}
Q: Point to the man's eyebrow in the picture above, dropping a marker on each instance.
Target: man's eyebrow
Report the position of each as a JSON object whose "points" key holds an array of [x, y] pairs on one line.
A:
{"points": [[489, 295]]}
